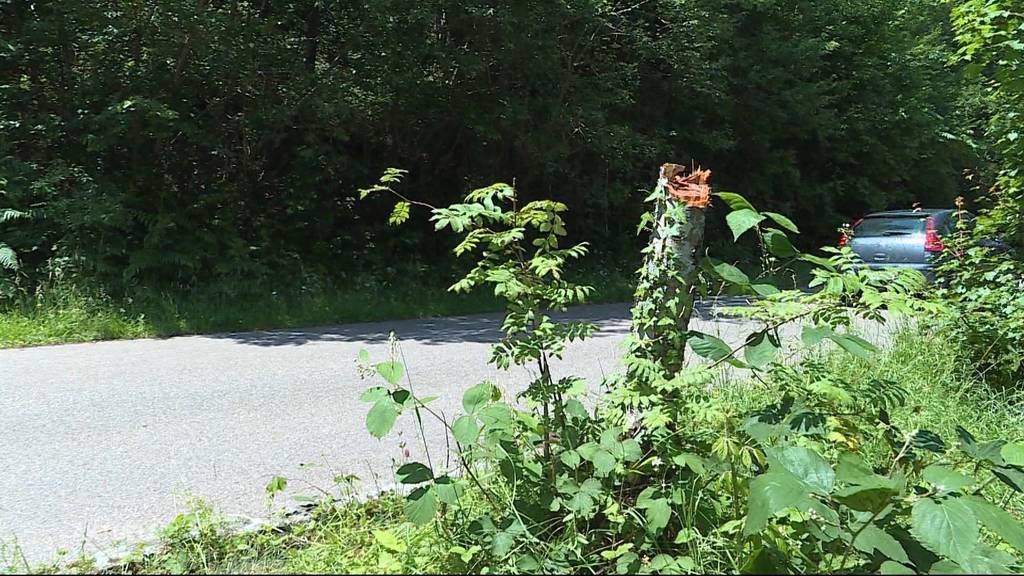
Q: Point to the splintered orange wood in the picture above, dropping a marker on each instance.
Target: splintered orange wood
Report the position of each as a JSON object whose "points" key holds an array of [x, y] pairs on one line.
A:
{"points": [[691, 188]]}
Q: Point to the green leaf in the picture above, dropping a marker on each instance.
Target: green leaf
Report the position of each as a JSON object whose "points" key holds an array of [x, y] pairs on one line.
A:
{"points": [[873, 538], [761, 349], [414, 473], [945, 479], [783, 221], [770, 494], [399, 214], [375, 394], [764, 289], [948, 528], [731, 274], [987, 451], [657, 512], [1013, 454], [779, 245], [813, 335], [928, 440], [391, 371], [465, 430], [855, 345], [603, 460], [852, 469], [364, 356], [448, 490], [421, 505], [389, 541], [381, 418], [477, 396], [740, 221], [276, 484], [735, 201], [691, 461], [869, 494], [806, 465], [708, 346], [999, 521], [1011, 476], [890, 567]]}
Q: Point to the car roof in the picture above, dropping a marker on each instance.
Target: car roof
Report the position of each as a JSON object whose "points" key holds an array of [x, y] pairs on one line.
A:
{"points": [[921, 212]]}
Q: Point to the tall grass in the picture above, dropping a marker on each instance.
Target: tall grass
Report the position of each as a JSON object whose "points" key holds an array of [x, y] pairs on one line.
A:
{"points": [[66, 313]]}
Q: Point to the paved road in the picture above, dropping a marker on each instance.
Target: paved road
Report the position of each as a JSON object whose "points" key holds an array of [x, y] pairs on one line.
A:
{"points": [[105, 442]]}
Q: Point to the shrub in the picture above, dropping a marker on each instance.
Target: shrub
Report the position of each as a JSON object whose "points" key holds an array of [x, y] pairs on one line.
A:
{"points": [[663, 475]]}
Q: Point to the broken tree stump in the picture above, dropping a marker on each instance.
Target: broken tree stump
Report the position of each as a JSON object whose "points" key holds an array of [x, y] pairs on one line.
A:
{"points": [[666, 290]]}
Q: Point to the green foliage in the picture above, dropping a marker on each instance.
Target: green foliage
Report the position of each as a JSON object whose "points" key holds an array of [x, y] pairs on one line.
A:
{"points": [[986, 287], [164, 145], [662, 471]]}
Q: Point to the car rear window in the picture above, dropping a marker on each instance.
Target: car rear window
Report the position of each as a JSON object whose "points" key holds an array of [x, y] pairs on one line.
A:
{"points": [[890, 226]]}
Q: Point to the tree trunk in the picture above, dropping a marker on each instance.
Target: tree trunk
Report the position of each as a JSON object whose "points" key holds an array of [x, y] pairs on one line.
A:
{"points": [[667, 287]]}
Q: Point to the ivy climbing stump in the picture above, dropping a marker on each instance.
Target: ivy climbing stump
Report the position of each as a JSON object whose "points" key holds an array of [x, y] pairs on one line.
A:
{"points": [[667, 286]]}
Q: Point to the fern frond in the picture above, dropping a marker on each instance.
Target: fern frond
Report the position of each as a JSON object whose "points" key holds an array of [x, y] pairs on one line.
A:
{"points": [[8, 259], [8, 214]]}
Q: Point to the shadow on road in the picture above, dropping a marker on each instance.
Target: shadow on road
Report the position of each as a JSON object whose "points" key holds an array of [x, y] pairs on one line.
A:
{"points": [[610, 319]]}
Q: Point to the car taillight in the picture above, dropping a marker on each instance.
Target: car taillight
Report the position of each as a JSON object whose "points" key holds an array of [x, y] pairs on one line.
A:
{"points": [[932, 242], [843, 240]]}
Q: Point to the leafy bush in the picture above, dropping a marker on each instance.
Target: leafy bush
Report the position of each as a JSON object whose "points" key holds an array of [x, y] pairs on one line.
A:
{"points": [[986, 288], [664, 476]]}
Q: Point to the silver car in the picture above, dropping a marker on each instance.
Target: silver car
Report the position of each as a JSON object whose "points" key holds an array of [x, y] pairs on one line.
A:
{"points": [[904, 238]]}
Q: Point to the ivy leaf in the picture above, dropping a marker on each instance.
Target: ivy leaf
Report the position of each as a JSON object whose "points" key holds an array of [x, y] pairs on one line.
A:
{"points": [[783, 221], [740, 221], [390, 371], [770, 494], [761, 349], [381, 418], [874, 538], [948, 528], [999, 521], [414, 473], [421, 505], [465, 430]]}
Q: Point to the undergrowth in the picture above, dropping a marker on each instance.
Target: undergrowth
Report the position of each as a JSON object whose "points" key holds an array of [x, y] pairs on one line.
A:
{"points": [[374, 536], [66, 313]]}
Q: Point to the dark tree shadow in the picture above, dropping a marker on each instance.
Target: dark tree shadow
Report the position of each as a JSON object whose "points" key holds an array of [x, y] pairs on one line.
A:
{"points": [[610, 319]]}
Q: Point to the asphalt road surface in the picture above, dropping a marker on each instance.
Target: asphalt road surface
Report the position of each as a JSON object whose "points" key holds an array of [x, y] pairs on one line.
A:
{"points": [[106, 442]]}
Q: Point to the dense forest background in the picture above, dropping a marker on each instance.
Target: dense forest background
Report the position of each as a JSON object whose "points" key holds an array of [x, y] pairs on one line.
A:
{"points": [[171, 144]]}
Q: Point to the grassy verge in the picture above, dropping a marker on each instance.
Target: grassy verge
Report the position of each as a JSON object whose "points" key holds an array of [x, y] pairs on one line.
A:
{"points": [[373, 537], [68, 314]]}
